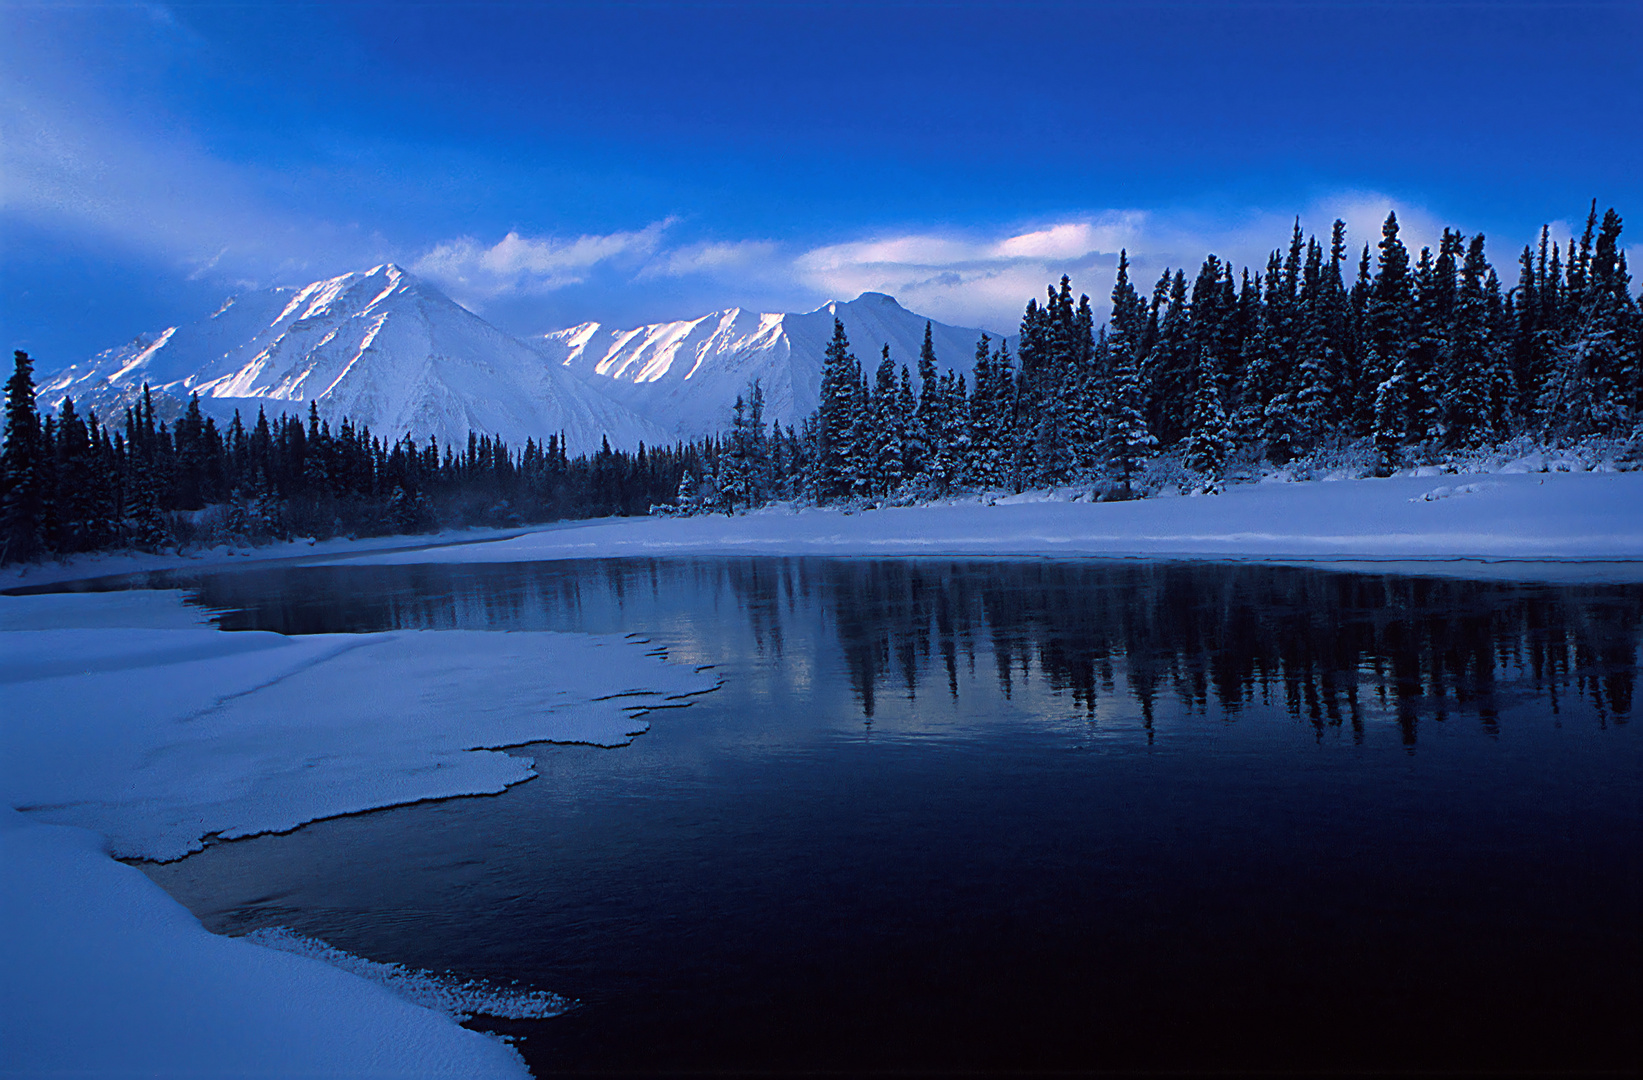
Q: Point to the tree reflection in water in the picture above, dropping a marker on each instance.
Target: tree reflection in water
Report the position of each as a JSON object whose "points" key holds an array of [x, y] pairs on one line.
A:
{"points": [[1334, 649], [1330, 646]]}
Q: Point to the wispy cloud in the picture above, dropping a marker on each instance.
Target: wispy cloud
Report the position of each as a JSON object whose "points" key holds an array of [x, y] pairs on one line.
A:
{"points": [[980, 277], [974, 277], [161, 194], [717, 259], [524, 265]]}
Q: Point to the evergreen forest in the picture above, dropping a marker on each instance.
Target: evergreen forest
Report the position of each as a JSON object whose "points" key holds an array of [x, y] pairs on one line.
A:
{"points": [[1420, 360]]}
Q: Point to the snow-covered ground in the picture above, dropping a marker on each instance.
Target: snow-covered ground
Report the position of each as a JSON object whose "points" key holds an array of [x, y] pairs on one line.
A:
{"points": [[99, 564], [1520, 524], [130, 728]]}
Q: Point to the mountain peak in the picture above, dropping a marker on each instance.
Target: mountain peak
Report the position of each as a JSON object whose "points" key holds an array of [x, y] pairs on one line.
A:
{"points": [[884, 299], [389, 351]]}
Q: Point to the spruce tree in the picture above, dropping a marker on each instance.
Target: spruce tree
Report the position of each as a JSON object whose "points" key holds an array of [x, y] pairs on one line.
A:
{"points": [[1319, 363], [1475, 370], [1207, 442], [925, 430], [887, 435], [1128, 442], [835, 419], [1386, 332], [22, 480]]}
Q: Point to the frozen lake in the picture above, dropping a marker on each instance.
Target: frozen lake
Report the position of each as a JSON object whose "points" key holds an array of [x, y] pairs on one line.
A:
{"points": [[1025, 814]]}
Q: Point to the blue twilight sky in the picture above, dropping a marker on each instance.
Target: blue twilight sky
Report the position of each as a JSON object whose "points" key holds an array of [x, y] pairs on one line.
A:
{"points": [[547, 163]]}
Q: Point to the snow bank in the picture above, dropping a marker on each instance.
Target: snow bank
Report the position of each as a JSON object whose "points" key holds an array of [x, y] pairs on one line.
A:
{"points": [[1527, 517], [99, 564], [158, 739], [129, 729], [106, 975]]}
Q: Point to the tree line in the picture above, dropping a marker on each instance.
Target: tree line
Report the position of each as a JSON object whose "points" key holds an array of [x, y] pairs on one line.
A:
{"points": [[75, 484], [1417, 359]]}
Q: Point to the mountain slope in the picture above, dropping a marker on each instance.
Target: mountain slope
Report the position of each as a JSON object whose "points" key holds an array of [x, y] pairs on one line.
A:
{"points": [[685, 375], [381, 347]]}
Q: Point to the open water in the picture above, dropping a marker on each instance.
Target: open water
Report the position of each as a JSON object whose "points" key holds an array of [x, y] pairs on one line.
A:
{"points": [[1055, 816]]}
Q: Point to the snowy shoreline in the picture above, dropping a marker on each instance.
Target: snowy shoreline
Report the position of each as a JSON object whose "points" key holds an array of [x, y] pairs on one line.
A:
{"points": [[1560, 526], [107, 564], [133, 730]]}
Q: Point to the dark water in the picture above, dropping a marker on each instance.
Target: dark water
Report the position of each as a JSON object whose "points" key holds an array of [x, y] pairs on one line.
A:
{"points": [[1025, 816]]}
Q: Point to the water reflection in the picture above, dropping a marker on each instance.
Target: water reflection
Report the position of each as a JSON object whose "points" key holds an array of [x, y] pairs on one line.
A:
{"points": [[1318, 642], [1333, 649]]}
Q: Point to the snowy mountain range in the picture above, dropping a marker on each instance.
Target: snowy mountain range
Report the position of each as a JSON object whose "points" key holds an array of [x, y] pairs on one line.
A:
{"points": [[391, 351], [685, 375]]}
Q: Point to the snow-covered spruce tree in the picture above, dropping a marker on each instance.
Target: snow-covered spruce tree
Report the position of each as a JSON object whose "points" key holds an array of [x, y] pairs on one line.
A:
{"points": [[995, 416], [1434, 338], [859, 456], [1128, 442], [953, 451], [1125, 440], [1593, 387], [23, 495], [835, 419], [1280, 421], [1255, 362], [1170, 365], [1054, 386], [886, 432], [1387, 327], [907, 407], [925, 429], [1035, 423], [1207, 442], [743, 472], [1085, 387], [983, 462], [1474, 369], [1318, 359]]}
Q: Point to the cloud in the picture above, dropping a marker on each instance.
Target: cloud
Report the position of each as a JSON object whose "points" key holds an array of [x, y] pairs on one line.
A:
{"points": [[713, 259], [977, 277], [522, 265], [160, 193]]}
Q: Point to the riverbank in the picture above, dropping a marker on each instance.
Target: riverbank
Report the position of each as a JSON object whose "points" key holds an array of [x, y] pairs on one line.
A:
{"points": [[132, 729], [1561, 525], [99, 564], [1544, 526]]}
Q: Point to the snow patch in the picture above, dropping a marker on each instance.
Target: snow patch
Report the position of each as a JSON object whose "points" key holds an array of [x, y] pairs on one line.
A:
{"points": [[1447, 492]]}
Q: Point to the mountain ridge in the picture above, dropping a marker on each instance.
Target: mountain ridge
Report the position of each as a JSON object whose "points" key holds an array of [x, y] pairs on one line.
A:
{"points": [[394, 353], [379, 346], [724, 350]]}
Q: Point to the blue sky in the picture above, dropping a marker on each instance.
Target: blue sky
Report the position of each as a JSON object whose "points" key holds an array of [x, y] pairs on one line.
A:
{"points": [[548, 163]]}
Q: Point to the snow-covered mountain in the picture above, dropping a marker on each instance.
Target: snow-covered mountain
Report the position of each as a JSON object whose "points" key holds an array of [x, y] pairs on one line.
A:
{"points": [[381, 347], [684, 375]]}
